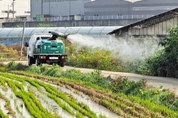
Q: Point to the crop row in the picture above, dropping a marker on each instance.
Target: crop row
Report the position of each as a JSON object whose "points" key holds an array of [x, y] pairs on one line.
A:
{"points": [[120, 104], [7, 102], [33, 105], [2, 114], [56, 95]]}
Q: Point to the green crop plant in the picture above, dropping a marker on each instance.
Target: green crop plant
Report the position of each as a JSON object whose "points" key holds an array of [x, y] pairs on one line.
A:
{"points": [[2, 115], [33, 105], [7, 105], [70, 83], [52, 91], [79, 115], [157, 109], [146, 104], [75, 105], [27, 101], [111, 106], [121, 107], [62, 105], [33, 83], [2, 82], [3, 85], [101, 116]]}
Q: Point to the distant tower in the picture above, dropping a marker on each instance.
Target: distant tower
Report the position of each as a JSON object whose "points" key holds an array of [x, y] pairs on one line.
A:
{"points": [[13, 12]]}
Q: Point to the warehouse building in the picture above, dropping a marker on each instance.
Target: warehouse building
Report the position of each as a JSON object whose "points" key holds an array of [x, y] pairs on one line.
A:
{"points": [[99, 9], [57, 8], [134, 8]]}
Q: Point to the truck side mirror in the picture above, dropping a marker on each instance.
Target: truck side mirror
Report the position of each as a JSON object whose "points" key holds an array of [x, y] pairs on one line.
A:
{"points": [[26, 44], [38, 38]]}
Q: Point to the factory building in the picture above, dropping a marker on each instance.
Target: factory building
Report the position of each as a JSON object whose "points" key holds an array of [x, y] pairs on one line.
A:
{"points": [[128, 7], [57, 8], [99, 9]]}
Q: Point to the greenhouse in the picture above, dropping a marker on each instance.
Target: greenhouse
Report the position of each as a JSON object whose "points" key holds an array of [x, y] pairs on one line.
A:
{"points": [[10, 36], [13, 33]]}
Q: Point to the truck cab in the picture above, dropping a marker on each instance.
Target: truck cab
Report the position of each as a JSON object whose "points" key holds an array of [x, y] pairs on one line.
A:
{"points": [[46, 48]]}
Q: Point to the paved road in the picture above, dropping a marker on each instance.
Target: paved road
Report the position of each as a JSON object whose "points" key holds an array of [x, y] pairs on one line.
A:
{"points": [[167, 83]]}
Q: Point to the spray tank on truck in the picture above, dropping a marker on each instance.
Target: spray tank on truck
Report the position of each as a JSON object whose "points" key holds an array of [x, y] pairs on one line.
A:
{"points": [[46, 48]]}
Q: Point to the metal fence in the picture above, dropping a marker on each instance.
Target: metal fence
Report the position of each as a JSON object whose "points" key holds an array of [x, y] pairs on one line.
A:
{"points": [[117, 17], [74, 18]]}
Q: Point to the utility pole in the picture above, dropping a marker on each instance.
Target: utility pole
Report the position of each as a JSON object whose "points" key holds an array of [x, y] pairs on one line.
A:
{"points": [[69, 9], [22, 42], [13, 12], [41, 6], [49, 6]]}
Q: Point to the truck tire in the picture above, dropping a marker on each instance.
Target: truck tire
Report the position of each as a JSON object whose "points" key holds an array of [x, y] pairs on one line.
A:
{"points": [[30, 61], [37, 61], [61, 63]]}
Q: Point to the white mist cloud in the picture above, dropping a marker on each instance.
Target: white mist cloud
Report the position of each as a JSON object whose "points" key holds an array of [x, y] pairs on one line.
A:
{"points": [[129, 49]]}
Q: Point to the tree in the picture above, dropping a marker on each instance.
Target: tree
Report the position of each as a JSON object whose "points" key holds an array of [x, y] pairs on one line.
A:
{"points": [[165, 62]]}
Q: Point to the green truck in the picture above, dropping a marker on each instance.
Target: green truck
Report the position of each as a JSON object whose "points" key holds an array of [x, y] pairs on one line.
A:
{"points": [[46, 48]]}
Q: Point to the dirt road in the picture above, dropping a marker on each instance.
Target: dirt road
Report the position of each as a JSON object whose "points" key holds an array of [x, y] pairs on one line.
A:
{"points": [[167, 83]]}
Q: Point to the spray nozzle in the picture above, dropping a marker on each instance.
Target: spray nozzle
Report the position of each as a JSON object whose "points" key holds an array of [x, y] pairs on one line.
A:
{"points": [[59, 34]]}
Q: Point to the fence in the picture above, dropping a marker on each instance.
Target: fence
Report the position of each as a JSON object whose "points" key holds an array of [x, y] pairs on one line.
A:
{"points": [[72, 18]]}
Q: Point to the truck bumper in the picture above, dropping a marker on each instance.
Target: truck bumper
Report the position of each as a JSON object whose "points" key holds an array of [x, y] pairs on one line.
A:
{"points": [[52, 58]]}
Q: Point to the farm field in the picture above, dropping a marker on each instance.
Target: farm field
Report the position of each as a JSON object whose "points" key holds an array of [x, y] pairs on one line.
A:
{"points": [[33, 98], [28, 95]]}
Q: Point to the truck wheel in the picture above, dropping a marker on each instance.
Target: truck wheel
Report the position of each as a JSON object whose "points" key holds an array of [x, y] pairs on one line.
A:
{"points": [[37, 61], [30, 61], [61, 64]]}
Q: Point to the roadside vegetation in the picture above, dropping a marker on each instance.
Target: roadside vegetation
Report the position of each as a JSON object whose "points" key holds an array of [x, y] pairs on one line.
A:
{"points": [[97, 59], [11, 53], [164, 62]]}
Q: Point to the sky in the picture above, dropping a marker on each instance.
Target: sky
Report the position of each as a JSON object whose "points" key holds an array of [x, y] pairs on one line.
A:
{"points": [[20, 6]]}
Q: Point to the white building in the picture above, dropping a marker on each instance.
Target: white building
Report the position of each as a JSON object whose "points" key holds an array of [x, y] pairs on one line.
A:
{"points": [[20, 8]]}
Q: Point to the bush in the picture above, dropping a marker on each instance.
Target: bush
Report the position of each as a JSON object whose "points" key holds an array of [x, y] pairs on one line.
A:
{"points": [[165, 62], [93, 58], [122, 84], [34, 69], [15, 66], [54, 71]]}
